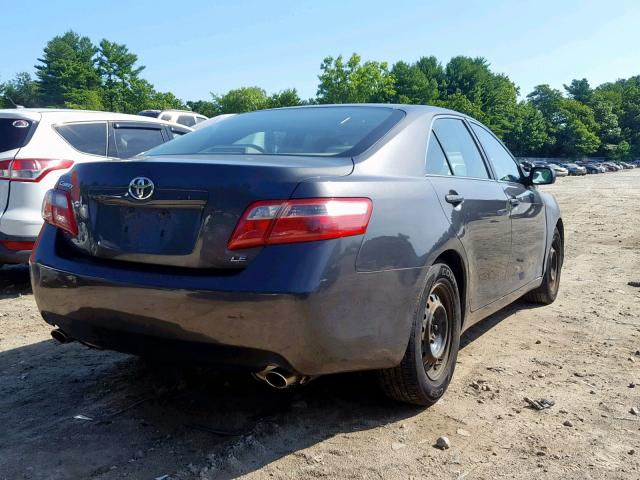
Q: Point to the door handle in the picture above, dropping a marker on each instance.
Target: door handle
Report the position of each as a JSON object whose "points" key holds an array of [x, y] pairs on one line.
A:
{"points": [[454, 198], [514, 202]]}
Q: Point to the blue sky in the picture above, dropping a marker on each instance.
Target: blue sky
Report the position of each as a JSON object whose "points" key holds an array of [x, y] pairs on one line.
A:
{"points": [[195, 47]]}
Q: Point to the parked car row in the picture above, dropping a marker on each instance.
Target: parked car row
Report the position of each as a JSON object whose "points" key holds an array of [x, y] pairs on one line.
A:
{"points": [[580, 167]]}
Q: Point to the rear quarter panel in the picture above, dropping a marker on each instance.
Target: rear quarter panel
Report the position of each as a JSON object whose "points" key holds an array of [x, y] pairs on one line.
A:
{"points": [[407, 232]]}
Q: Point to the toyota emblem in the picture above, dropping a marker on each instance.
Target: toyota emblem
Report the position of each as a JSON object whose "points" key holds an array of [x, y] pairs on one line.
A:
{"points": [[141, 188]]}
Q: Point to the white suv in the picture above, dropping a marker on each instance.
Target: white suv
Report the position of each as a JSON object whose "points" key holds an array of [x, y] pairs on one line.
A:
{"points": [[183, 117], [38, 145]]}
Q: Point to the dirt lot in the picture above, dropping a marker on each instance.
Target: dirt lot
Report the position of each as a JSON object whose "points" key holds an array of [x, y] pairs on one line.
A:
{"points": [[185, 422]]}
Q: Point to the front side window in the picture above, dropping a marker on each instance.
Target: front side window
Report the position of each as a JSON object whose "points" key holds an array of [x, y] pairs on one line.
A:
{"points": [[130, 141], [305, 131], [462, 152], [88, 138], [436, 161], [503, 163]]}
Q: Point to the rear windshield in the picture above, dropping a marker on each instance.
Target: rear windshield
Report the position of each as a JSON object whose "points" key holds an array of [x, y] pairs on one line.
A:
{"points": [[14, 133], [325, 131]]}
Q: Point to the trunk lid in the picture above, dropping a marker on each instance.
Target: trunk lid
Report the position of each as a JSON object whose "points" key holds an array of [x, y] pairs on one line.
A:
{"points": [[194, 207]]}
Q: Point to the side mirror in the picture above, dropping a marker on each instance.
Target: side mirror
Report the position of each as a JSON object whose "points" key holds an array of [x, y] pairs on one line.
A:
{"points": [[542, 176]]}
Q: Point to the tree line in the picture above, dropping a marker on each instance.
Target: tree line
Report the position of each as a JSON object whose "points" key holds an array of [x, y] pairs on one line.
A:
{"points": [[579, 121]]}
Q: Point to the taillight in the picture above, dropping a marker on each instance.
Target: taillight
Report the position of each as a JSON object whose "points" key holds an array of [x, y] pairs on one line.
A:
{"points": [[57, 210], [16, 246], [30, 169], [5, 166], [305, 220]]}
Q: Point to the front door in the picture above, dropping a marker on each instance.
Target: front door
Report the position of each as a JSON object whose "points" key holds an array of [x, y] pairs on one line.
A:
{"points": [[476, 206], [528, 221]]}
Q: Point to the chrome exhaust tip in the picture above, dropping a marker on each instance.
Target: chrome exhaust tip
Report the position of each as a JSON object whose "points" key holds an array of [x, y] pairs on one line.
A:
{"points": [[279, 378], [61, 337]]}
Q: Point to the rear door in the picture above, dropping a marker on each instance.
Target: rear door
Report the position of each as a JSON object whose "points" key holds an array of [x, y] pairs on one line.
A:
{"points": [[128, 139], [475, 204], [15, 132], [528, 222]]}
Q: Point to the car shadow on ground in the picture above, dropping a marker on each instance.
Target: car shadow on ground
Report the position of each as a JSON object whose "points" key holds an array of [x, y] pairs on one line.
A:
{"points": [[143, 418], [482, 327], [14, 281]]}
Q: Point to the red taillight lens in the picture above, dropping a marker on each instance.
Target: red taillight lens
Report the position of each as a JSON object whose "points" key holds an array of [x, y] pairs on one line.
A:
{"points": [[57, 210], [16, 246], [30, 169], [305, 220]]}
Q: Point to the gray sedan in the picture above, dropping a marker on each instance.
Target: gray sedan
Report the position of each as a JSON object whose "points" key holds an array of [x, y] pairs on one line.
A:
{"points": [[300, 242]]}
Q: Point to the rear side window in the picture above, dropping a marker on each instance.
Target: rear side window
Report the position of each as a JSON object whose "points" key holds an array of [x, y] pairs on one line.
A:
{"points": [[130, 141], [306, 131], [462, 153], [503, 164], [14, 133], [166, 117], [436, 161], [187, 120], [88, 138]]}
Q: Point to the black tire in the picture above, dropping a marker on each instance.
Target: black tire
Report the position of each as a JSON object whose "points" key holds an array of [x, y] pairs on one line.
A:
{"points": [[546, 293], [427, 366]]}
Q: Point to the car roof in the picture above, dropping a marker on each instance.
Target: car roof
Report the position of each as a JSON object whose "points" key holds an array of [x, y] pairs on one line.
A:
{"points": [[397, 106], [67, 115]]}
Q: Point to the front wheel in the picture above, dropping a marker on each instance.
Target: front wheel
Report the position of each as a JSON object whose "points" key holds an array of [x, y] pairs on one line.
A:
{"points": [[547, 292], [430, 359]]}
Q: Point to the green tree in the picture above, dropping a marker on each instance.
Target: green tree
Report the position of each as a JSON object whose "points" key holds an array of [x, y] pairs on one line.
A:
{"points": [[286, 98], [620, 151], [492, 94], [354, 82], [434, 73], [580, 90], [21, 90], [528, 136], [143, 96], [412, 85], [570, 123], [67, 71], [203, 107], [461, 103], [630, 112], [118, 71], [239, 100]]}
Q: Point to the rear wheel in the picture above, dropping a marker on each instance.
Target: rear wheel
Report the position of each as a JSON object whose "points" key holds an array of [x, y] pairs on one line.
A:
{"points": [[546, 293], [430, 359]]}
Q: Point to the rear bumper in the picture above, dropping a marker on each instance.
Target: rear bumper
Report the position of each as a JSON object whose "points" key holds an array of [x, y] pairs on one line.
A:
{"points": [[12, 256], [312, 313]]}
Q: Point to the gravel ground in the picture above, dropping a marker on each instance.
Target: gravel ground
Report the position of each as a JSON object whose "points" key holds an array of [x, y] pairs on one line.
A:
{"points": [[148, 421]]}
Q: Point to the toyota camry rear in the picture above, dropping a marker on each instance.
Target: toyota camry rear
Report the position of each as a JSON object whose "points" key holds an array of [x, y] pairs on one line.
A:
{"points": [[291, 243]]}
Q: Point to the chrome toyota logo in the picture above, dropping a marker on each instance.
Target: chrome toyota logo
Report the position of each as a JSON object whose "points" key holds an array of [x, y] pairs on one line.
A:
{"points": [[141, 188]]}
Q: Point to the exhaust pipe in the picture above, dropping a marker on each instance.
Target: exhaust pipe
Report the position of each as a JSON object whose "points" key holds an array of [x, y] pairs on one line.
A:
{"points": [[279, 378], [60, 336]]}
